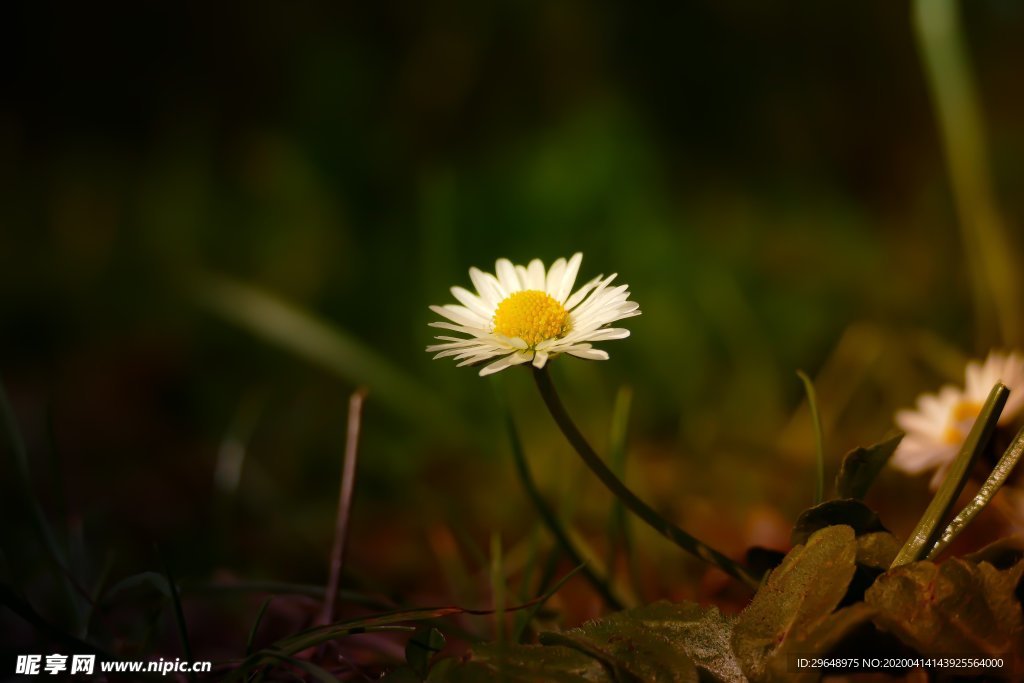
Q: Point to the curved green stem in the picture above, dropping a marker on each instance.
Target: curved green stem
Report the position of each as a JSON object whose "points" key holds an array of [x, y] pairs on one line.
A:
{"points": [[819, 438], [663, 526]]}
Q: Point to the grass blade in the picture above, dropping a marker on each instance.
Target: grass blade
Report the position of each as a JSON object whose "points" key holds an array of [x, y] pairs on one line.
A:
{"points": [[995, 279], [550, 519], [17, 604], [306, 335], [861, 465], [251, 640], [538, 604], [924, 535], [819, 437], [179, 613], [40, 525], [988, 490]]}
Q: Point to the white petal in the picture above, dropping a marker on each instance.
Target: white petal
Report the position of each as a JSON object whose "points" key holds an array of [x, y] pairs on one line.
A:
{"points": [[474, 331], [608, 333], [472, 302], [506, 273], [502, 363], [582, 292], [460, 315], [913, 421], [568, 278], [535, 275], [589, 354], [553, 283], [487, 286], [539, 359]]}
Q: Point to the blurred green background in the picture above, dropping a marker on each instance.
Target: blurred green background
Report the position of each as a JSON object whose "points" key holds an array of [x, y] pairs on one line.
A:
{"points": [[768, 178]]}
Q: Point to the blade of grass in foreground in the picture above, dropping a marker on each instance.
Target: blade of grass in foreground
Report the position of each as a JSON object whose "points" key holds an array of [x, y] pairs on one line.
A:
{"points": [[988, 490], [251, 640], [819, 438], [550, 519], [179, 613], [389, 621], [40, 525], [924, 535]]}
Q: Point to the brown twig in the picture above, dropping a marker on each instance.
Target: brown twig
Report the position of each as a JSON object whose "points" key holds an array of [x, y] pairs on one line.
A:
{"points": [[348, 480]]}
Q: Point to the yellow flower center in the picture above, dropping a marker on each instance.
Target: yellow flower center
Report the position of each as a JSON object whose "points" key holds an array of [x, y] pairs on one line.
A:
{"points": [[952, 436], [966, 410], [532, 316]]}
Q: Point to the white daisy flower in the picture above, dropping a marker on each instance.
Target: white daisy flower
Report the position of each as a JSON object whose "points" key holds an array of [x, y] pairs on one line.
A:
{"points": [[1007, 368], [939, 426], [526, 314], [932, 436]]}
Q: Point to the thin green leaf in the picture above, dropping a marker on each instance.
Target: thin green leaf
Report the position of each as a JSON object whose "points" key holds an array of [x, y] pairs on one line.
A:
{"points": [[426, 642], [319, 634], [520, 623], [306, 335], [17, 604], [535, 606], [550, 519], [923, 538], [988, 490], [819, 436], [179, 613], [861, 465], [40, 525], [251, 640], [991, 260]]}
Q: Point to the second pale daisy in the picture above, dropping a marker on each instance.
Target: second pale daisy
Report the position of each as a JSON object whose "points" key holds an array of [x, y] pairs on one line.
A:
{"points": [[529, 314], [938, 427]]}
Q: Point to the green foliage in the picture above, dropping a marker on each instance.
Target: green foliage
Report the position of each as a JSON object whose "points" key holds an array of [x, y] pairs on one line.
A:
{"points": [[861, 465], [852, 513], [520, 664], [877, 549], [662, 641], [797, 597], [961, 606], [958, 606]]}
